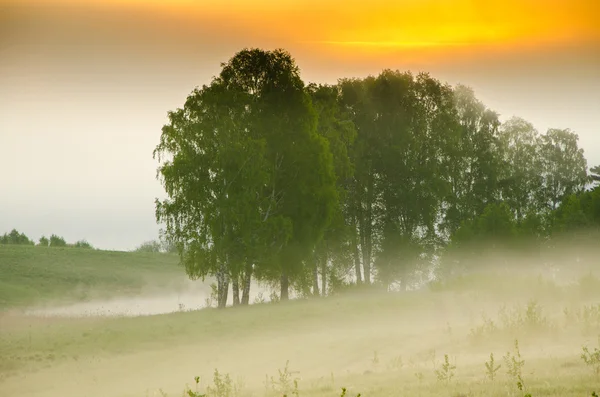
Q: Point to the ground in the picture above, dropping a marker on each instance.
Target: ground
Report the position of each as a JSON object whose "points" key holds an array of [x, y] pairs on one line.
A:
{"points": [[369, 342]]}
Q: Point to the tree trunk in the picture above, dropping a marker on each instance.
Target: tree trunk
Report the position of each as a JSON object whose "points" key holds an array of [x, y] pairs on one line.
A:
{"points": [[285, 286], [235, 284], [364, 247], [222, 286], [324, 276], [356, 256], [316, 275], [368, 234], [246, 285]]}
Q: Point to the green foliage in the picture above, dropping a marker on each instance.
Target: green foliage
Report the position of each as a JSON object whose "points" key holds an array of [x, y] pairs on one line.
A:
{"points": [[494, 230], [529, 318], [253, 194], [595, 173], [83, 244], [344, 393], [521, 182], [446, 371], [474, 162], [15, 238], [491, 368], [223, 386], [149, 246], [514, 365], [375, 178], [564, 166], [44, 242], [592, 359], [57, 241], [285, 383]]}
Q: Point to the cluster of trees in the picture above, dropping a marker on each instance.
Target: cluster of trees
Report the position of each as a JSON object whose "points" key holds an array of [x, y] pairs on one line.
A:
{"points": [[14, 237], [157, 246], [304, 185]]}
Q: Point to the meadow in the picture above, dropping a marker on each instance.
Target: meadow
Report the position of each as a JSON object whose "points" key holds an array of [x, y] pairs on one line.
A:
{"points": [[36, 275], [492, 333]]}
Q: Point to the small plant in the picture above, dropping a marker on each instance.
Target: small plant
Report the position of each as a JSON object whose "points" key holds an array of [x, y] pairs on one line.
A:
{"points": [[344, 393], [191, 393], [375, 359], [448, 329], [592, 359], [514, 365], [285, 384], [214, 296], [521, 388], [531, 317], [273, 297], [223, 386], [488, 327], [419, 376], [491, 368], [259, 298], [589, 317], [396, 363], [430, 355], [446, 372]]}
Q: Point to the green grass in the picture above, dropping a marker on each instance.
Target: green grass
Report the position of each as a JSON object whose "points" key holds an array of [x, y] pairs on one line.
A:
{"points": [[434, 342], [331, 342], [32, 275]]}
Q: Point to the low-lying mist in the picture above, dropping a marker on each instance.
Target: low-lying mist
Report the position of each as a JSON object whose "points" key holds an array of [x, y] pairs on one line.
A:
{"points": [[482, 332]]}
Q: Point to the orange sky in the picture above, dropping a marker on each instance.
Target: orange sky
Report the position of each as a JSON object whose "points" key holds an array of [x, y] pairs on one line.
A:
{"points": [[354, 25]]}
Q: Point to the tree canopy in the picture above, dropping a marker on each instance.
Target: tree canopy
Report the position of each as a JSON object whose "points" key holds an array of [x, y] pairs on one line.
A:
{"points": [[312, 186]]}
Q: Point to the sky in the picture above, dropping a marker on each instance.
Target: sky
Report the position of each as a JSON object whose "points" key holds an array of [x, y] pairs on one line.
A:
{"points": [[85, 86]]}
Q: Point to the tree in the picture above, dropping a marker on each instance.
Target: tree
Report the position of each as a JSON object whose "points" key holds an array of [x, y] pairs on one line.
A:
{"points": [[57, 241], [564, 166], [83, 244], [474, 158], [413, 117], [148, 246], [595, 173], [166, 244], [211, 150], [495, 230], [356, 101], [250, 183], [301, 188], [334, 124], [44, 242], [577, 212], [14, 237], [522, 178]]}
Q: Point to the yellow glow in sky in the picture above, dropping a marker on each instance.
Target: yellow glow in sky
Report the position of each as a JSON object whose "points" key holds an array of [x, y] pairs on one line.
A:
{"points": [[401, 24]]}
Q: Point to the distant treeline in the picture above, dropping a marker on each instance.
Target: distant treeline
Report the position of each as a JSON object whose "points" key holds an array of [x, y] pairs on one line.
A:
{"points": [[375, 178], [159, 245], [16, 238]]}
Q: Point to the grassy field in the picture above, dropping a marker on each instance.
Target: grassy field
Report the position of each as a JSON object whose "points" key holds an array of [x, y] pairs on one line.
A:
{"points": [[369, 342], [31, 275]]}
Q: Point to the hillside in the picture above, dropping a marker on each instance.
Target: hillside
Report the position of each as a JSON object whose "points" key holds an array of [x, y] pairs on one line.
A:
{"points": [[30, 275]]}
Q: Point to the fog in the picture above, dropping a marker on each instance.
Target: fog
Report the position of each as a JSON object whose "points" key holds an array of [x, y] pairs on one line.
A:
{"points": [[185, 295], [370, 342]]}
